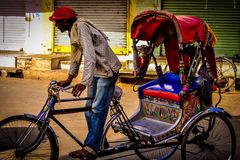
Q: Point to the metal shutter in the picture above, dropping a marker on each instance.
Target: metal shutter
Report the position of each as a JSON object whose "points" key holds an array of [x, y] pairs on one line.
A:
{"points": [[12, 24], [109, 15], [12, 8], [222, 16]]}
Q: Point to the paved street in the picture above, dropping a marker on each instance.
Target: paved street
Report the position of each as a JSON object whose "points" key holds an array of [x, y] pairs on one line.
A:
{"points": [[18, 96]]}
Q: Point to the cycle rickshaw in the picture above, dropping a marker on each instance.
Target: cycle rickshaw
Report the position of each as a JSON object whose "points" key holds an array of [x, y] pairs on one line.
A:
{"points": [[175, 110]]}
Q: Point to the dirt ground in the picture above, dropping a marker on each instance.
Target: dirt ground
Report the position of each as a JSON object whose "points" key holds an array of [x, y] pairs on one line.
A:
{"points": [[18, 96]]}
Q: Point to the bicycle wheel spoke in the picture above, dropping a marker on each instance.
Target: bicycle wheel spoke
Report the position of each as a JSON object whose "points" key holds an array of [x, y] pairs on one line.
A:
{"points": [[161, 152], [8, 139], [216, 141], [30, 143], [226, 70]]}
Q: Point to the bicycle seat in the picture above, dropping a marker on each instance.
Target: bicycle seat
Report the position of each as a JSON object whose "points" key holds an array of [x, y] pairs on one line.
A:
{"points": [[117, 94]]}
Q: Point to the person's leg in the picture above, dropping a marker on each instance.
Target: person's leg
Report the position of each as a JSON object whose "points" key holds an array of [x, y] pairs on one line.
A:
{"points": [[100, 106], [91, 92]]}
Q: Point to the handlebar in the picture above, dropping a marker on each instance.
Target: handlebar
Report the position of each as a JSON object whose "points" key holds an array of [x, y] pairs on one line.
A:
{"points": [[65, 89], [54, 89], [53, 85], [54, 97]]}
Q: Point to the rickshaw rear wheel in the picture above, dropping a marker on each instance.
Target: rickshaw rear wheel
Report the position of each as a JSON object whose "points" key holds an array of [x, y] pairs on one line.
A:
{"points": [[211, 136], [226, 71]]}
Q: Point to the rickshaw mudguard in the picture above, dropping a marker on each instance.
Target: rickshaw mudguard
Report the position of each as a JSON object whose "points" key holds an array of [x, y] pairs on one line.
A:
{"points": [[199, 115]]}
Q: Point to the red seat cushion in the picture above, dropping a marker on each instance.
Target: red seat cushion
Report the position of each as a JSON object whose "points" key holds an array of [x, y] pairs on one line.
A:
{"points": [[161, 94]]}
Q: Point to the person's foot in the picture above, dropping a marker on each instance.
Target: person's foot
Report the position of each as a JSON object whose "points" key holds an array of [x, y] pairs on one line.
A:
{"points": [[82, 154]]}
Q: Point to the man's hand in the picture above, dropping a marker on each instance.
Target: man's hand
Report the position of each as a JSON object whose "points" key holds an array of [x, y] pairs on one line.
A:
{"points": [[63, 83], [78, 89], [66, 82]]}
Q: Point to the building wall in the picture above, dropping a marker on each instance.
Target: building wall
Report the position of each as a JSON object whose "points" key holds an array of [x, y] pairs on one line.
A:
{"points": [[7, 60], [38, 28], [25, 29]]}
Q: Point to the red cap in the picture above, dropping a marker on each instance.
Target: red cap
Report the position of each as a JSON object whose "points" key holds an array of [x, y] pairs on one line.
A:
{"points": [[62, 13]]}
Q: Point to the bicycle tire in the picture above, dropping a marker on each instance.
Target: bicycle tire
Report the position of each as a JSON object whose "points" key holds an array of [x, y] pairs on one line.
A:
{"points": [[211, 136], [35, 144], [158, 153], [226, 70]]}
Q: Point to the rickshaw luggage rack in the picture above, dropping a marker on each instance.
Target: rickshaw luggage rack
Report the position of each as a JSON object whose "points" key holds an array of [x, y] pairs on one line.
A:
{"points": [[174, 110]]}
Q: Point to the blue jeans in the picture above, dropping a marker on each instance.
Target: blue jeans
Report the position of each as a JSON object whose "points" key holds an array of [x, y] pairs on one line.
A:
{"points": [[102, 89]]}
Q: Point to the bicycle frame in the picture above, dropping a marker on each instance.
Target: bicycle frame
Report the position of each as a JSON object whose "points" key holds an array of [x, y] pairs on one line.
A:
{"points": [[49, 109], [67, 111]]}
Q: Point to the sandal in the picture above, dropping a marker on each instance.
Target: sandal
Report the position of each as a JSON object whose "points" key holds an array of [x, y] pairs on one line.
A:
{"points": [[82, 154]]}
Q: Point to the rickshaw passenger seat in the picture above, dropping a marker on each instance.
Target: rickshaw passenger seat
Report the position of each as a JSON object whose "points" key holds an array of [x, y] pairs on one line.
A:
{"points": [[166, 87], [160, 108]]}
